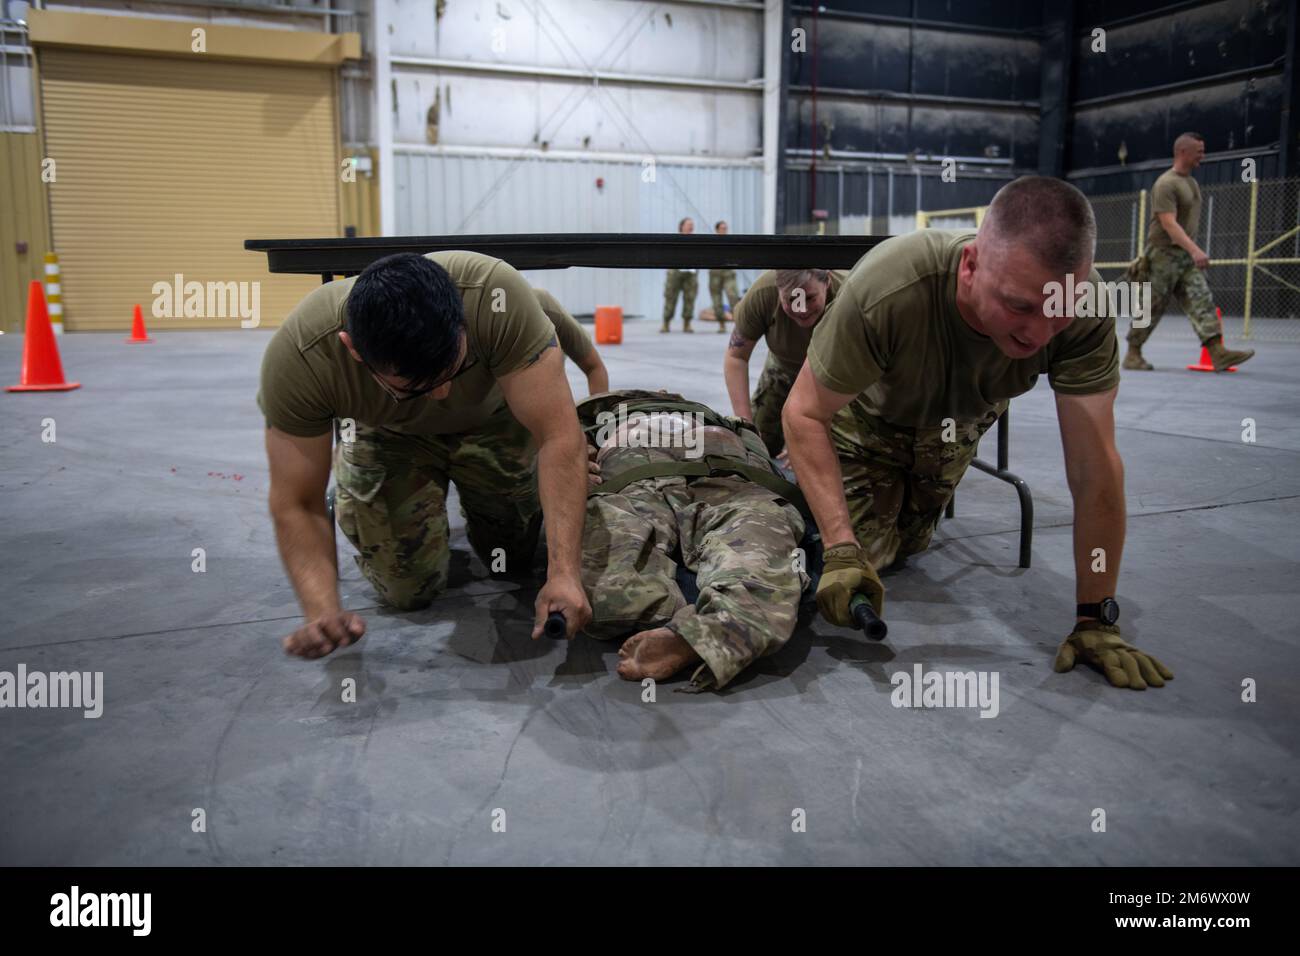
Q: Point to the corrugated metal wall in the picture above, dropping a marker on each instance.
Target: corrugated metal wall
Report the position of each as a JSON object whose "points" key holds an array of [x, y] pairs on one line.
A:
{"points": [[440, 194], [1212, 68], [148, 149]]}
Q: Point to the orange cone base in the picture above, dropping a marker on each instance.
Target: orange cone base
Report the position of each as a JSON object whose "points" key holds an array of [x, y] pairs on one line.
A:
{"points": [[65, 387], [136, 341], [1205, 365]]}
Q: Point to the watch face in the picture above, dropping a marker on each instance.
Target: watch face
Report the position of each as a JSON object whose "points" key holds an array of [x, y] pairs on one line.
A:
{"points": [[1109, 611]]}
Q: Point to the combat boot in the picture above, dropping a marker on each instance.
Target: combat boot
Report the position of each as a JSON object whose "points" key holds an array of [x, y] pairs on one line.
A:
{"points": [[664, 329], [1224, 358], [1133, 360]]}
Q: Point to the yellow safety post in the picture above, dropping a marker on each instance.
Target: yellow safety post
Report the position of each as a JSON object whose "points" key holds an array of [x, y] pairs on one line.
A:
{"points": [[54, 292], [1250, 254], [1142, 221]]}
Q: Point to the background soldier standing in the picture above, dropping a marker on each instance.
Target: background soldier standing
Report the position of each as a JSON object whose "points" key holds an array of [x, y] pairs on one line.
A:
{"points": [[720, 281], [684, 281]]}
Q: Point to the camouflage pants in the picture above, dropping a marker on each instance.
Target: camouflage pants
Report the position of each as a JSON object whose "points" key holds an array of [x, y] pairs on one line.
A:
{"points": [[391, 502], [687, 284], [735, 535], [897, 481], [1173, 275], [774, 384], [720, 281]]}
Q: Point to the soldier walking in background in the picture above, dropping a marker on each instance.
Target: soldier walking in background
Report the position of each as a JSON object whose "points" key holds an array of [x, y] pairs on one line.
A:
{"points": [[1175, 265]]}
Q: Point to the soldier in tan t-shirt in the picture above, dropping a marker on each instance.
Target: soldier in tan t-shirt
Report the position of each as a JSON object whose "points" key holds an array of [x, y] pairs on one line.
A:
{"points": [[439, 369], [1175, 265], [782, 306], [931, 336]]}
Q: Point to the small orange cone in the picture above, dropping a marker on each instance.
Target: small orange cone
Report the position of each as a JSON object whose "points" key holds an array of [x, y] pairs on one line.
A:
{"points": [[1206, 364], [42, 371], [138, 333]]}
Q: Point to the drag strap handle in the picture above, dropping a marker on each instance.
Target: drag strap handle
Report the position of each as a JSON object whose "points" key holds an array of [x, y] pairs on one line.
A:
{"points": [[865, 619], [555, 627]]}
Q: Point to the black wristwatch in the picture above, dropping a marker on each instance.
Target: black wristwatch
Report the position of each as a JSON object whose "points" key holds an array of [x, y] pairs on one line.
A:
{"points": [[1105, 610]]}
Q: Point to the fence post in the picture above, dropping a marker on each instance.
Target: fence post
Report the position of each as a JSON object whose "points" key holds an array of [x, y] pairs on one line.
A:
{"points": [[1250, 255]]}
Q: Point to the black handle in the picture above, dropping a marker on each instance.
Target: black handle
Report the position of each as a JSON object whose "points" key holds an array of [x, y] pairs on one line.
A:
{"points": [[556, 627], [864, 616]]}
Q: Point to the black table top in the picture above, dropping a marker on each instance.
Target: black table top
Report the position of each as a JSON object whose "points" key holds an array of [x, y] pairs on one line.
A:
{"points": [[620, 250]]}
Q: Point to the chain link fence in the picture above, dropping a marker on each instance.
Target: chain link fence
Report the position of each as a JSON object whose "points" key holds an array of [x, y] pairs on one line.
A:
{"points": [[1250, 231]]}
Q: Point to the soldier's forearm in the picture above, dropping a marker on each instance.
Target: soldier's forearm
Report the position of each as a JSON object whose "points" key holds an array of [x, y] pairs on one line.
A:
{"points": [[813, 456], [562, 489], [306, 544], [597, 374], [1180, 237], [735, 373], [1099, 525]]}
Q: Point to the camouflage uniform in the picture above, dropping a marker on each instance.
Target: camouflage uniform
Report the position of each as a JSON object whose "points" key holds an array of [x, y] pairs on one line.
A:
{"points": [[720, 281], [1173, 275], [687, 283], [897, 481], [774, 384], [737, 537], [391, 502]]}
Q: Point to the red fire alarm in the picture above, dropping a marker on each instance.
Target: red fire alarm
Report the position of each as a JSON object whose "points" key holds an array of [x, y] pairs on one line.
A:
{"points": [[600, 182]]}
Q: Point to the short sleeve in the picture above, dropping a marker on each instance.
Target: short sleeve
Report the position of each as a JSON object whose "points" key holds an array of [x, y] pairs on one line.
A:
{"points": [[511, 329], [573, 337], [754, 311], [1088, 358], [847, 353], [1163, 197], [291, 398]]}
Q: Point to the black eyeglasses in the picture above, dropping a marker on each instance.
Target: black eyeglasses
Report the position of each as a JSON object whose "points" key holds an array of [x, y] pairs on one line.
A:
{"points": [[405, 395]]}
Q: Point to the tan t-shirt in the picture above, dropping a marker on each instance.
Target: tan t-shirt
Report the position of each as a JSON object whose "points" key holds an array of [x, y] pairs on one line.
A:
{"points": [[1179, 194], [894, 337], [759, 315], [574, 339], [309, 378]]}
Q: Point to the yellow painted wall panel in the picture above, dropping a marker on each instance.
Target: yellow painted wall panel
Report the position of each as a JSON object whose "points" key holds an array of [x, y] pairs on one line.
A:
{"points": [[25, 219]]}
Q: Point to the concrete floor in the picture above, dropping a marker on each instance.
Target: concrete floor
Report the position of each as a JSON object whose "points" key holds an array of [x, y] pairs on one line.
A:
{"points": [[459, 713]]}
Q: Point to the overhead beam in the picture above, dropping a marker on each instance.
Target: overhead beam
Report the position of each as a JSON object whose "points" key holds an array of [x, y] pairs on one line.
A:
{"points": [[562, 250]]}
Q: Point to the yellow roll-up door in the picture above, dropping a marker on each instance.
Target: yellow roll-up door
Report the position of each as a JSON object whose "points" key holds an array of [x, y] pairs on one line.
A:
{"points": [[166, 165]]}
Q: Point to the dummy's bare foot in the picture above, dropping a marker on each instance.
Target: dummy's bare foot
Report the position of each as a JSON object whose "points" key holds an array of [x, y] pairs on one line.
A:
{"points": [[658, 654]]}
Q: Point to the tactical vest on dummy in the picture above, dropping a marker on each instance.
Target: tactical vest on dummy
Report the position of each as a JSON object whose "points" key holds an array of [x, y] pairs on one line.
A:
{"points": [[633, 401]]}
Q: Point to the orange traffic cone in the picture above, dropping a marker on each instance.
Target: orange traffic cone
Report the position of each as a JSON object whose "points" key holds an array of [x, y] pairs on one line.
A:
{"points": [[42, 370], [1206, 364], [138, 333]]}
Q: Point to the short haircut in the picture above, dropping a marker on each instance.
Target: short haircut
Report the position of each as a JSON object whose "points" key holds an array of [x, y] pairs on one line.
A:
{"points": [[1186, 141], [1046, 215], [792, 278], [720, 222], [406, 318], [684, 221]]}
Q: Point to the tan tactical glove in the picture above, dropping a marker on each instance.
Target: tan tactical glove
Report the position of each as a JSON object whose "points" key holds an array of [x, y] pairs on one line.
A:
{"points": [[846, 572], [1100, 646]]}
